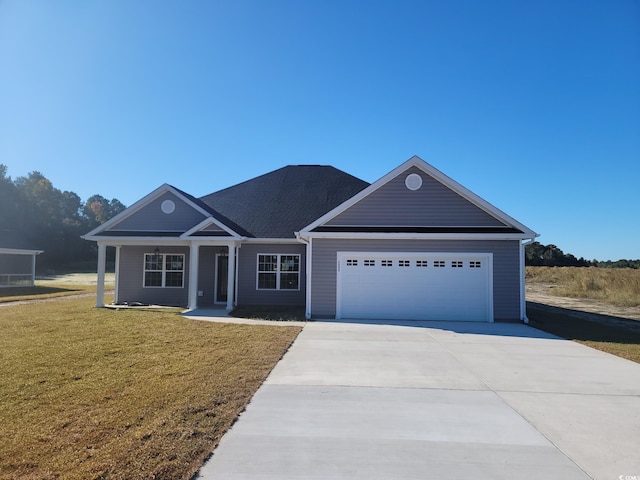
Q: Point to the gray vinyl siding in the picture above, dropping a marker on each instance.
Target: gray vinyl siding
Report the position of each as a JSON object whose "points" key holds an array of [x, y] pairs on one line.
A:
{"points": [[213, 228], [433, 205], [506, 268], [248, 294], [152, 218], [130, 281]]}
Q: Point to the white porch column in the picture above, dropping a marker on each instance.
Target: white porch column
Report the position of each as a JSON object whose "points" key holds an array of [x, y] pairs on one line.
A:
{"points": [[194, 255], [231, 276], [102, 261], [33, 269], [115, 295]]}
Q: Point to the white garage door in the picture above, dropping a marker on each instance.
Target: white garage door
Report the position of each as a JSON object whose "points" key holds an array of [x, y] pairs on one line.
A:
{"points": [[415, 286]]}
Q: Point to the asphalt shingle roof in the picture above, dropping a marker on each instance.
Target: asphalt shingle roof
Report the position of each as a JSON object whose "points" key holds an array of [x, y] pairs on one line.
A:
{"points": [[279, 203], [216, 214]]}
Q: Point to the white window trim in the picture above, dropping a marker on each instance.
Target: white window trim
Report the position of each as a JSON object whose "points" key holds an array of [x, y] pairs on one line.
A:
{"points": [[164, 270], [278, 271]]}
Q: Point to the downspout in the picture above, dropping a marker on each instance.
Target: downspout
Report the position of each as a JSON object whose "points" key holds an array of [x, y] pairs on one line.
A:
{"points": [[307, 300], [523, 300]]}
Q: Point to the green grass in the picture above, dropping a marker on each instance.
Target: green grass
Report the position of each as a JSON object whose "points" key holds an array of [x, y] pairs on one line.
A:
{"points": [[614, 339], [615, 286], [102, 394]]}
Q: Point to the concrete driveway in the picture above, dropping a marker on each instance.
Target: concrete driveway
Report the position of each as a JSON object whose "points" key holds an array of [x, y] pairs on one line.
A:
{"points": [[374, 400]]}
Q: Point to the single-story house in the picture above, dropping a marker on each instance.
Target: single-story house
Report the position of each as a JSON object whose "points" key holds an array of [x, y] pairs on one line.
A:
{"points": [[17, 260], [413, 245]]}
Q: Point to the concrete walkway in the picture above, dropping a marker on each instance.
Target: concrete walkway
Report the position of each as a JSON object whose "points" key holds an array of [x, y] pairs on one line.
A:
{"points": [[437, 400]]}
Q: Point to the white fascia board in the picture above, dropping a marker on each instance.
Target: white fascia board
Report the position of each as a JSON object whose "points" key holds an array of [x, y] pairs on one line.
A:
{"points": [[273, 240], [159, 241], [98, 237], [437, 175], [116, 241], [414, 236], [144, 201], [20, 251], [205, 223]]}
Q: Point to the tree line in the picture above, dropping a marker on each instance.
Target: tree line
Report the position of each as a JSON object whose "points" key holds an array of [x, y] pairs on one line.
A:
{"points": [[52, 220], [537, 254]]}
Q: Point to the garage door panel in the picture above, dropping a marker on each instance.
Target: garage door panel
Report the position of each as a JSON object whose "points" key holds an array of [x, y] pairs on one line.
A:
{"points": [[414, 285]]}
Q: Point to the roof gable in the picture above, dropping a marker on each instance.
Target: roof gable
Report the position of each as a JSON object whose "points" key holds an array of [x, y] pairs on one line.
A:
{"points": [[434, 204], [166, 211], [210, 227], [279, 203]]}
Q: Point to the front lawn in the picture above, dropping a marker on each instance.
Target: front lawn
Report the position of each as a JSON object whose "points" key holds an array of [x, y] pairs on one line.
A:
{"points": [[131, 394]]}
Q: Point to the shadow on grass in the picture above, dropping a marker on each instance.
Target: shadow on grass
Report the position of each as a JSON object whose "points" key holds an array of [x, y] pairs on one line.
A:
{"points": [[11, 294], [582, 326]]}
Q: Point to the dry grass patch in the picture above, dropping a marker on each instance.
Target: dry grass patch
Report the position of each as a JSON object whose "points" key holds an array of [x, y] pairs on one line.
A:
{"points": [[96, 393], [615, 286]]}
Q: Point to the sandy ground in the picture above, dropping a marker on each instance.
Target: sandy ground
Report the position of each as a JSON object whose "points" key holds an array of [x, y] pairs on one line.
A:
{"points": [[541, 293], [76, 279]]}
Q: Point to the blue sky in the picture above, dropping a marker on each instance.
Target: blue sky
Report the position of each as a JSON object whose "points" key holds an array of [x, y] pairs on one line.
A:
{"points": [[535, 106]]}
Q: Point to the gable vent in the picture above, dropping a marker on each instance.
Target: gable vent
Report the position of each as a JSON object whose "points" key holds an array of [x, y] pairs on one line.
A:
{"points": [[413, 181], [168, 206]]}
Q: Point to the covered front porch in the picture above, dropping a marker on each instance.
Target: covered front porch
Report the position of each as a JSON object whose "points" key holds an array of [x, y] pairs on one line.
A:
{"points": [[185, 273]]}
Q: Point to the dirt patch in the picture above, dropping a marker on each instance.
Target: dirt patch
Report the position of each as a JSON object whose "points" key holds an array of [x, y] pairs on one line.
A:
{"points": [[542, 293]]}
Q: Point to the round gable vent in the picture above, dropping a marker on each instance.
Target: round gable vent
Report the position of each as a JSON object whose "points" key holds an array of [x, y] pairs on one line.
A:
{"points": [[413, 181], [168, 206]]}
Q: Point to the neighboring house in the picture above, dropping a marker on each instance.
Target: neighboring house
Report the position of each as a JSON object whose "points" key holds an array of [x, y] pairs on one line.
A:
{"points": [[17, 260], [413, 245]]}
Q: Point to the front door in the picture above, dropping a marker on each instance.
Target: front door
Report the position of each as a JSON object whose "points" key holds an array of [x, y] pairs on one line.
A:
{"points": [[222, 272]]}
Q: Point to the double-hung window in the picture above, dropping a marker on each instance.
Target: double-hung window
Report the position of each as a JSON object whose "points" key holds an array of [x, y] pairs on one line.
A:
{"points": [[278, 272], [163, 270]]}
